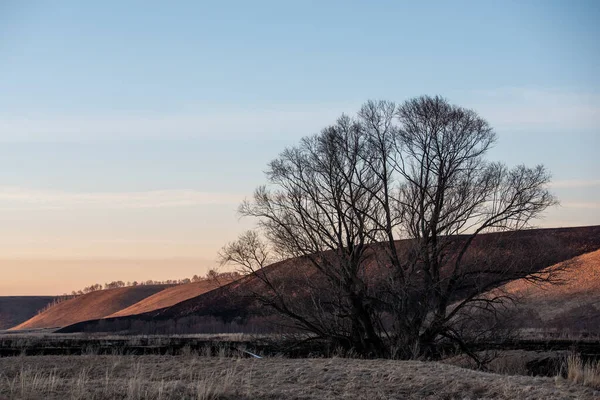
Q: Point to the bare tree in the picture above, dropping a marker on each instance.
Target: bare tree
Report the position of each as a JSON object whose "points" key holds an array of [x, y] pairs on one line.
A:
{"points": [[342, 199]]}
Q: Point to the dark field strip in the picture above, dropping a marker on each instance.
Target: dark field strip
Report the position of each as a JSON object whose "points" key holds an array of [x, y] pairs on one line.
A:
{"points": [[588, 349]]}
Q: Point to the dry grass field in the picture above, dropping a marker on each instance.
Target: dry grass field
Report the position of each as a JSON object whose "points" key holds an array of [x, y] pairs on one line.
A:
{"points": [[109, 369], [202, 377], [573, 305]]}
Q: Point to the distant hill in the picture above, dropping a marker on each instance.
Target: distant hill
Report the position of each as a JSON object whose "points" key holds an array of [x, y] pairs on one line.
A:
{"points": [[572, 306], [94, 305], [170, 296], [230, 309], [16, 309]]}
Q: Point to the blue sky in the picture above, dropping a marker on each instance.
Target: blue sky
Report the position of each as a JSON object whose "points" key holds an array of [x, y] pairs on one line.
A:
{"points": [[131, 130]]}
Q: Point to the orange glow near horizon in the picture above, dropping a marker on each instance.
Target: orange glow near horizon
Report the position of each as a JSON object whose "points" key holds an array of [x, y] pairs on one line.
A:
{"points": [[55, 277], [54, 260]]}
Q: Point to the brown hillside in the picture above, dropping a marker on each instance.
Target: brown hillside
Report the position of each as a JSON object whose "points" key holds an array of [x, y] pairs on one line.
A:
{"points": [[92, 305], [16, 309], [169, 297], [229, 308], [572, 305]]}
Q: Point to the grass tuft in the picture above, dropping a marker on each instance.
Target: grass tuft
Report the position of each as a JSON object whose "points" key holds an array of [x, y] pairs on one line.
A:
{"points": [[584, 373]]}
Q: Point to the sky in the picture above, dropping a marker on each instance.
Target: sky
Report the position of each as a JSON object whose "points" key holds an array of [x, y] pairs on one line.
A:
{"points": [[130, 131]]}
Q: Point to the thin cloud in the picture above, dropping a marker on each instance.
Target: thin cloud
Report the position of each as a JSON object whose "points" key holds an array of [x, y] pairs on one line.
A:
{"points": [[18, 198], [505, 108], [527, 108], [585, 205], [510, 108], [575, 183], [230, 124]]}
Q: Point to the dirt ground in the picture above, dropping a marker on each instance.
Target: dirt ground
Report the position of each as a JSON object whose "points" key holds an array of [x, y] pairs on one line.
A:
{"points": [[198, 377]]}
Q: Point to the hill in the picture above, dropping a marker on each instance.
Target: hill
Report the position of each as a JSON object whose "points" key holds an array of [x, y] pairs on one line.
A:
{"points": [[230, 309], [571, 306], [16, 309], [90, 306], [170, 296]]}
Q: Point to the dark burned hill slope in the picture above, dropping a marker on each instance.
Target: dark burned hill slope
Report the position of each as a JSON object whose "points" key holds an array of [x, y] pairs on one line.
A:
{"points": [[218, 308], [170, 296], [89, 306], [16, 309]]}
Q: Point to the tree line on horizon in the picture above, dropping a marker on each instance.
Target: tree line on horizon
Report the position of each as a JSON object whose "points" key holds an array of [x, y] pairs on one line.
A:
{"points": [[210, 275]]}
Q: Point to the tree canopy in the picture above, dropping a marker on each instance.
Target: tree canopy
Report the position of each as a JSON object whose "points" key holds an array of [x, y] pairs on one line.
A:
{"points": [[342, 199]]}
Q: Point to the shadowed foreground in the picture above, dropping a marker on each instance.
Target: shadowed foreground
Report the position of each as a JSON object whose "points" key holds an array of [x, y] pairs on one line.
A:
{"points": [[16, 309], [192, 377]]}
